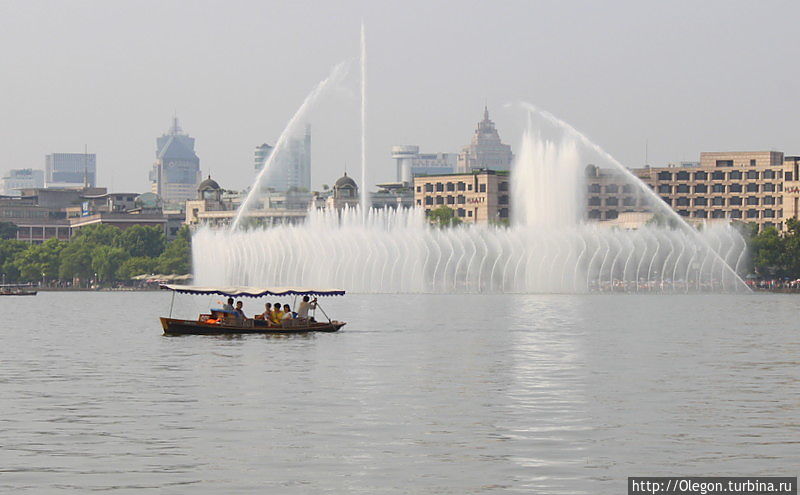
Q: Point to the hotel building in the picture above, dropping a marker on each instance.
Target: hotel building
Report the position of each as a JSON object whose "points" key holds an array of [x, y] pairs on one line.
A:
{"points": [[481, 196]]}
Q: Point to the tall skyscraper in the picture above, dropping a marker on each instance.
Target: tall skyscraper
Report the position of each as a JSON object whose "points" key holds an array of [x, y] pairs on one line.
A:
{"points": [[291, 170], [486, 150], [70, 170], [176, 171]]}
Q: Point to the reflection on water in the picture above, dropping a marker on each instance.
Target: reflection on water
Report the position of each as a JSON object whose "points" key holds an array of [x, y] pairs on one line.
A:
{"points": [[420, 394]]}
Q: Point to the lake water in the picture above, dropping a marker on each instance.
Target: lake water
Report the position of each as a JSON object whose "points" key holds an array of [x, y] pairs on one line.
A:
{"points": [[417, 394]]}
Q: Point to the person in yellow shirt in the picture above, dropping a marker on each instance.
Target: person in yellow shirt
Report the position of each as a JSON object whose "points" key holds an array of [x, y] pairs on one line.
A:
{"points": [[277, 314]]}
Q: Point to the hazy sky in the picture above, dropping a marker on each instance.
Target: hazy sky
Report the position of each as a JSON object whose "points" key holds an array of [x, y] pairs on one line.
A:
{"points": [[682, 76]]}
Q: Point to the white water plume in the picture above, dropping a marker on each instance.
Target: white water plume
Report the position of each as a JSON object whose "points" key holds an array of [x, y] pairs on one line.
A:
{"points": [[364, 194], [336, 75]]}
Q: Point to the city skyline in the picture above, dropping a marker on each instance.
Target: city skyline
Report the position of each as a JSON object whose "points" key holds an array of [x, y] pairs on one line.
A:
{"points": [[591, 65]]}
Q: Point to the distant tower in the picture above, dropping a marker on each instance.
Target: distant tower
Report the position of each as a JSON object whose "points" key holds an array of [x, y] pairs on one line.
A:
{"points": [[345, 193], [290, 170], [486, 149], [176, 171]]}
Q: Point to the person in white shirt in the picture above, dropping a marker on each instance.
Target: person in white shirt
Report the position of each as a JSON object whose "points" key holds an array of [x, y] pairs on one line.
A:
{"points": [[304, 306]]}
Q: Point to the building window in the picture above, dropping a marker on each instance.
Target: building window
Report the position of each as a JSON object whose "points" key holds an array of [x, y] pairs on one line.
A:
{"points": [[701, 214], [594, 214], [503, 186], [787, 176], [768, 200], [667, 200], [461, 199], [503, 212], [724, 163], [768, 213], [736, 213], [752, 163], [735, 188], [752, 200], [419, 188], [612, 214], [428, 187], [683, 213], [682, 175], [612, 201], [718, 201], [718, 175], [594, 201], [664, 176], [718, 188], [451, 187], [682, 201], [752, 187], [482, 188], [612, 189], [752, 174], [419, 202], [768, 174], [594, 188], [664, 189], [460, 212], [701, 189], [503, 200], [469, 188], [768, 187], [701, 201], [718, 214], [451, 200], [439, 187], [428, 200], [735, 175], [701, 176], [752, 213], [627, 189], [469, 213], [629, 201], [735, 201], [682, 189], [439, 200]]}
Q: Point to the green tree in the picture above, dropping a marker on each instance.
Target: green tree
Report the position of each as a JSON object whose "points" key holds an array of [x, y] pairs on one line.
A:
{"points": [[8, 230], [106, 260], [9, 249], [76, 261], [39, 259], [444, 216], [767, 247], [136, 266], [141, 240], [98, 235], [176, 258]]}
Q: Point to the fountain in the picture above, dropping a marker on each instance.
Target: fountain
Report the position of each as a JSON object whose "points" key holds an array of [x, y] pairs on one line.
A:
{"points": [[548, 248]]}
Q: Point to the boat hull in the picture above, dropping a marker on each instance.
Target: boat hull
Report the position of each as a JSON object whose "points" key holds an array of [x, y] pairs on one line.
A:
{"points": [[173, 326]]}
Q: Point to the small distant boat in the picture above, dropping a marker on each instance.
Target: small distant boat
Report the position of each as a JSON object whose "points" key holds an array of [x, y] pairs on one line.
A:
{"points": [[17, 290], [221, 321]]}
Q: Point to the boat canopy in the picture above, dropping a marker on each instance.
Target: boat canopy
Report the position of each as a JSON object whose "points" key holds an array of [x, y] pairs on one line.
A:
{"points": [[252, 291]]}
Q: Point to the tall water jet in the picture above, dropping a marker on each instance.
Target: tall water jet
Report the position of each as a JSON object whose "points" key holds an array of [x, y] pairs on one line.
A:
{"points": [[364, 200], [336, 75]]}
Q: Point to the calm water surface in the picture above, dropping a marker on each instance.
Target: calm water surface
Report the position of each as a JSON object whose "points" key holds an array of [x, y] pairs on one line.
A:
{"points": [[417, 394]]}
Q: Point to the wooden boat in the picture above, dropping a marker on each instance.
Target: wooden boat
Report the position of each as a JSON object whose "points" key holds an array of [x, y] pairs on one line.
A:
{"points": [[218, 323], [16, 290]]}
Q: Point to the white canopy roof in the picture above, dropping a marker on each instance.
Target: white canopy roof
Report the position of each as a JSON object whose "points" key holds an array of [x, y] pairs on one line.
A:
{"points": [[252, 291]]}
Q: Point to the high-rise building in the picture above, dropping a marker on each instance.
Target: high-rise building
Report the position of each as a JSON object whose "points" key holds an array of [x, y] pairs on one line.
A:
{"points": [[176, 171], [486, 151], [21, 178], [411, 162], [291, 170], [70, 170]]}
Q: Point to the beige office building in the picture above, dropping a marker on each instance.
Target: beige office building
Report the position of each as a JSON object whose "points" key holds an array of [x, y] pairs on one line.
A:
{"points": [[478, 197]]}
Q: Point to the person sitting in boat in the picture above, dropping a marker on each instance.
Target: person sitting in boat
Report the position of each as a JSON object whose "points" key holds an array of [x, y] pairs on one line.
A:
{"points": [[267, 314], [287, 313], [228, 305], [304, 306], [240, 316], [277, 314]]}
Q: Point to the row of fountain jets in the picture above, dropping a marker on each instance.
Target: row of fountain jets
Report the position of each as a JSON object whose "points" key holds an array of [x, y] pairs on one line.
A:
{"points": [[548, 248]]}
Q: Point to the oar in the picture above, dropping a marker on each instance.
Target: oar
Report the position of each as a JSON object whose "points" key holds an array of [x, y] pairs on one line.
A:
{"points": [[323, 312]]}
